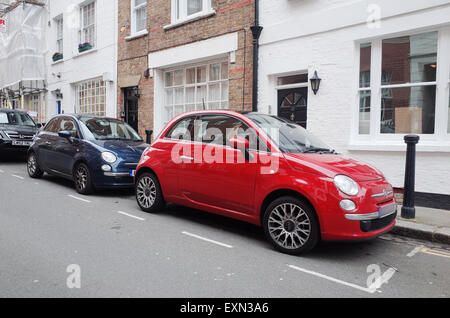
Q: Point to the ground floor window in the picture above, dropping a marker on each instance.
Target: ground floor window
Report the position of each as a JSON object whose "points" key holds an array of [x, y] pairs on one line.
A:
{"points": [[91, 97], [400, 89], [196, 87]]}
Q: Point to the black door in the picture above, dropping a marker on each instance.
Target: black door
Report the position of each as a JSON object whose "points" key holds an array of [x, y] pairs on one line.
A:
{"points": [[292, 105], [131, 97]]}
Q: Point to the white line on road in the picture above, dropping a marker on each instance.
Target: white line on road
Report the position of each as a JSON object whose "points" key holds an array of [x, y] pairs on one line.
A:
{"points": [[1, 171], [206, 239], [131, 216], [79, 199], [415, 251], [18, 177], [365, 289]]}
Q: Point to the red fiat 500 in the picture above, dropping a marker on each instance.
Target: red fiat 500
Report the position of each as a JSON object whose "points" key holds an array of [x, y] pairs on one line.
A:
{"points": [[267, 171]]}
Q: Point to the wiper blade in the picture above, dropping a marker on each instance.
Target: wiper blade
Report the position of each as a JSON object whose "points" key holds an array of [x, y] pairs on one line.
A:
{"points": [[314, 150]]}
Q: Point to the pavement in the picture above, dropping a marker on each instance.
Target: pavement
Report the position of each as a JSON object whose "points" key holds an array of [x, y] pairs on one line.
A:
{"points": [[56, 243]]}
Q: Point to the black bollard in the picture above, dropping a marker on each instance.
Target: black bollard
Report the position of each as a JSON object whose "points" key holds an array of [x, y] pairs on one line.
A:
{"points": [[149, 134], [408, 209]]}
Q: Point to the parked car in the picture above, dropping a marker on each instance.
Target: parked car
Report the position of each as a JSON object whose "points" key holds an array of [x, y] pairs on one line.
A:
{"points": [[17, 130], [281, 178], [94, 152]]}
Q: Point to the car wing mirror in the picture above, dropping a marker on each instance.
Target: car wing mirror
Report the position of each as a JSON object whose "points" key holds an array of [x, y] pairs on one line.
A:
{"points": [[65, 134]]}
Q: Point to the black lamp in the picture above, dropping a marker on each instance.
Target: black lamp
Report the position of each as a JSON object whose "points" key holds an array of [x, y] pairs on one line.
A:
{"points": [[315, 83]]}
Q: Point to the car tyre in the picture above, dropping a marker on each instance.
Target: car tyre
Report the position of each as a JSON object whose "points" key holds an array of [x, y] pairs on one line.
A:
{"points": [[291, 225], [83, 179], [34, 171], [148, 193]]}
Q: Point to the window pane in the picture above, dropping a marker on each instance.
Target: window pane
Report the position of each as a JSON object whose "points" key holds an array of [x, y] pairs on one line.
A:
{"points": [[201, 94], [179, 96], [224, 71], [141, 19], [169, 79], [214, 92], [214, 72], [224, 91], [178, 77], [408, 110], [169, 97], [365, 62], [190, 95], [190, 76], [364, 112], [201, 74], [410, 59], [294, 79], [139, 2], [194, 6]]}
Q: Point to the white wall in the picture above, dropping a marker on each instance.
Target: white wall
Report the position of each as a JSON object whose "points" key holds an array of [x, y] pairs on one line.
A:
{"points": [[97, 63], [309, 35]]}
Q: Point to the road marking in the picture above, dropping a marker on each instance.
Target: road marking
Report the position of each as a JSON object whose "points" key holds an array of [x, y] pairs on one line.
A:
{"points": [[207, 239], [415, 251], [435, 252], [335, 280], [1, 171], [18, 177], [131, 216], [79, 199]]}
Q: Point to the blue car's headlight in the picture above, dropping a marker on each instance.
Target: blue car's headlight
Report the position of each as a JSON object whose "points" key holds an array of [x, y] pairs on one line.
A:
{"points": [[109, 157]]}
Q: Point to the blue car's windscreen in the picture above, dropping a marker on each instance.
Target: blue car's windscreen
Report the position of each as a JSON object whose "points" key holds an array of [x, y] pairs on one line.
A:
{"points": [[108, 129]]}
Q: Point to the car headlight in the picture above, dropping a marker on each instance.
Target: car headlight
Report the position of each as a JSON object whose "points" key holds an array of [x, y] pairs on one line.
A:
{"points": [[109, 157], [346, 185]]}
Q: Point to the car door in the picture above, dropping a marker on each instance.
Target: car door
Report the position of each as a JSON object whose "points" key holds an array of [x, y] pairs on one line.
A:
{"points": [[64, 149], [219, 176], [45, 142]]}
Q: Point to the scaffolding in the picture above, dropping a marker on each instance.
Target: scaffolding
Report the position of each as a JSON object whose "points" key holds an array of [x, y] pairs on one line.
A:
{"points": [[22, 57]]}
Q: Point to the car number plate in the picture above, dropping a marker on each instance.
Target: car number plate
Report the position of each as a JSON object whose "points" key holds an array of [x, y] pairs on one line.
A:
{"points": [[132, 173], [21, 143], [386, 210]]}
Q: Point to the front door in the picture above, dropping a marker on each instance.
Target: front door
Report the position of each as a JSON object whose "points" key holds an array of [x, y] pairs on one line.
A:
{"points": [[292, 105], [131, 98]]}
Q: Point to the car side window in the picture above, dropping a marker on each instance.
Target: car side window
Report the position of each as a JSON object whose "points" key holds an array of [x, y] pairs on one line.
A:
{"points": [[52, 126], [182, 130], [220, 129], [68, 124]]}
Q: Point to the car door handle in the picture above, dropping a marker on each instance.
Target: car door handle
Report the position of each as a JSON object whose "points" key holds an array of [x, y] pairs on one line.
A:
{"points": [[186, 158]]}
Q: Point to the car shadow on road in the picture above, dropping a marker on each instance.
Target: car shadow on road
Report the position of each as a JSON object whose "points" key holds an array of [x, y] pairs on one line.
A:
{"points": [[329, 251], [12, 158]]}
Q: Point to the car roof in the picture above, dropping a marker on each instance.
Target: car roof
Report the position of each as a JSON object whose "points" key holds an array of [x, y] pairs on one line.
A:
{"points": [[82, 116]]}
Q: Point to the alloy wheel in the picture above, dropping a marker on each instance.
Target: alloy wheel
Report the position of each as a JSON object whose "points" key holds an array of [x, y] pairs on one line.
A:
{"points": [[81, 178], [289, 226], [32, 165], [146, 192]]}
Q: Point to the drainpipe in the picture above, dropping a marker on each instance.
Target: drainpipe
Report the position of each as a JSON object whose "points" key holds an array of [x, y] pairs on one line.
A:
{"points": [[256, 32]]}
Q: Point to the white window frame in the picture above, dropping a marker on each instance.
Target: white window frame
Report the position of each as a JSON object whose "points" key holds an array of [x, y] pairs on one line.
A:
{"points": [[89, 108], [207, 84], [180, 15], [375, 139], [59, 23], [134, 9], [83, 27]]}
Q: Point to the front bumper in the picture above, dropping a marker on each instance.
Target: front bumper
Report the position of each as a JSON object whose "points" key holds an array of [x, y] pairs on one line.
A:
{"points": [[382, 212]]}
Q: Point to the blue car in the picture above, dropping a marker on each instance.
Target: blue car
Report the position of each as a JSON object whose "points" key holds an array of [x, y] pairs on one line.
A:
{"points": [[94, 152]]}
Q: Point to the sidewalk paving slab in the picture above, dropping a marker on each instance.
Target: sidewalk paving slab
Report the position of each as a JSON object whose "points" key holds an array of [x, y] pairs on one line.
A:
{"points": [[430, 224]]}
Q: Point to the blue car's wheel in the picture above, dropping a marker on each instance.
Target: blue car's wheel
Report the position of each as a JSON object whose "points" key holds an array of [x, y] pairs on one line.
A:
{"points": [[83, 179], [33, 167]]}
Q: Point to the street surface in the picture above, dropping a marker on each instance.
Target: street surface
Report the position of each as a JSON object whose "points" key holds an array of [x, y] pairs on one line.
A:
{"points": [[47, 230]]}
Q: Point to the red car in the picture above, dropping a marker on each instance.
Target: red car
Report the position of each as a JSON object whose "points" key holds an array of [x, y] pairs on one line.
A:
{"points": [[267, 171]]}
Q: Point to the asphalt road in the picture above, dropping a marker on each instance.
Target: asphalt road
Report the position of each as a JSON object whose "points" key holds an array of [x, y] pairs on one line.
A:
{"points": [[49, 233]]}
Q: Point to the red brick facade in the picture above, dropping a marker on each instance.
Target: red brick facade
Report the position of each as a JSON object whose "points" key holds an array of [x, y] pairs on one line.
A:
{"points": [[231, 16]]}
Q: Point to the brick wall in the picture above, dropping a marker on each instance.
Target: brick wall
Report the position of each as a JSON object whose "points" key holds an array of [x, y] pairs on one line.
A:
{"points": [[231, 16]]}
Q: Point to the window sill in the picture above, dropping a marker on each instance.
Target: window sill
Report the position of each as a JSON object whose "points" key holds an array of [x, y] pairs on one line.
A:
{"points": [[136, 35], [425, 146], [190, 19], [85, 53]]}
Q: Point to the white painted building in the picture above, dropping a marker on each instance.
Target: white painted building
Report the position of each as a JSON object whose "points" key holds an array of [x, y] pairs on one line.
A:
{"points": [[82, 79], [385, 70]]}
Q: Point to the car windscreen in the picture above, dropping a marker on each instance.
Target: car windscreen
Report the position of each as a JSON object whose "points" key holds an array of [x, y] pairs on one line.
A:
{"points": [[288, 136], [17, 118], [108, 129]]}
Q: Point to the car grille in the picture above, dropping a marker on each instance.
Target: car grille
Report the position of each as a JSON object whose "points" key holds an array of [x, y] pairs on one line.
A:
{"points": [[375, 225], [131, 165], [17, 136]]}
